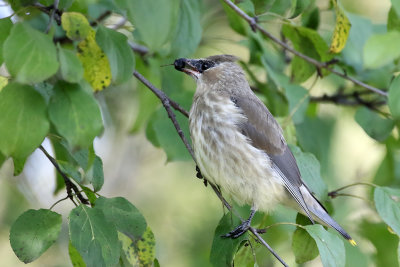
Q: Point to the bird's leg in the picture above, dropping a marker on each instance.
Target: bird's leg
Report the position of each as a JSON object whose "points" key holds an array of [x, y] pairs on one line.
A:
{"points": [[198, 174], [242, 228]]}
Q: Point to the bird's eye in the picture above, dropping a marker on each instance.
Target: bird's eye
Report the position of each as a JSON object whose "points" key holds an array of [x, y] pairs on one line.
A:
{"points": [[205, 66]]}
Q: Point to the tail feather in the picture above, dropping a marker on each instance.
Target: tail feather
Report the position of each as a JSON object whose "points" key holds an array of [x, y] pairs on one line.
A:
{"points": [[321, 215]]}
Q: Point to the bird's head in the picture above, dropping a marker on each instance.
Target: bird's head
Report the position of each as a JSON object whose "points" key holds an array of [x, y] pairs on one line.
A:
{"points": [[212, 71]]}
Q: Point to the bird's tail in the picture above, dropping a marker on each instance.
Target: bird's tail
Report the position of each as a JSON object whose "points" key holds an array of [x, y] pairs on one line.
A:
{"points": [[321, 215]]}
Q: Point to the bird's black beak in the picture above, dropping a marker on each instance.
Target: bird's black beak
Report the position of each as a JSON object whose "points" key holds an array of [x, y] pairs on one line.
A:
{"points": [[189, 66]]}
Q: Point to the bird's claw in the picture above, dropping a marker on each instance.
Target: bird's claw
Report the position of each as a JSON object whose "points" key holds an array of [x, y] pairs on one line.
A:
{"points": [[238, 231]]}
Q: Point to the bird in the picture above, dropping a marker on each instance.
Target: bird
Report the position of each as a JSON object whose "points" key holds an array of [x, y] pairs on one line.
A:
{"points": [[239, 146]]}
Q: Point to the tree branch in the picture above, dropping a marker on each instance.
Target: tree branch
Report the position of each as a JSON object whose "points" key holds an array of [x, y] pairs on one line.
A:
{"points": [[320, 65], [350, 99], [140, 49], [70, 186], [167, 103], [52, 14]]}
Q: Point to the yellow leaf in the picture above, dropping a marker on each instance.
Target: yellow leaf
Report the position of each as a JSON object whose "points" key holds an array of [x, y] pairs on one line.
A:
{"points": [[3, 82], [138, 253], [76, 25], [342, 29], [128, 247], [96, 67]]}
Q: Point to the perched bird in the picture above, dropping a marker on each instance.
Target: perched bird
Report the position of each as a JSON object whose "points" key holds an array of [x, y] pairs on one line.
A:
{"points": [[240, 147]]}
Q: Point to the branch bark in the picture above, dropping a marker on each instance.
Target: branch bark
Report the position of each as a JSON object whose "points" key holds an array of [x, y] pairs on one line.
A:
{"points": [[320, 65], [70, 186]]}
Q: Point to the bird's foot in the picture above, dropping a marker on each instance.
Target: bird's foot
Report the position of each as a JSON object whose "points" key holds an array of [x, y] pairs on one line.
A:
{"points": [[238, 231]]}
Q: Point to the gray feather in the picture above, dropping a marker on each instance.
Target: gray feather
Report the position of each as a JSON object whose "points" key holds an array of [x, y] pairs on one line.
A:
{"points": [[266, 134]]}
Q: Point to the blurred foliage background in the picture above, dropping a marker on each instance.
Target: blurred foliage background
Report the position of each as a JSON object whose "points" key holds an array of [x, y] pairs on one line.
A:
{"points": [[145, 161]]}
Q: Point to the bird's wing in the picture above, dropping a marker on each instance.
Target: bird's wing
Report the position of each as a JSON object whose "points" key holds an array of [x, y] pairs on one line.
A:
{"points": [[265, 133]]}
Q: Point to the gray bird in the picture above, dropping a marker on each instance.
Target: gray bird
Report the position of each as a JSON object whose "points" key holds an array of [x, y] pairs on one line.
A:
{"points": [[240, 147]]}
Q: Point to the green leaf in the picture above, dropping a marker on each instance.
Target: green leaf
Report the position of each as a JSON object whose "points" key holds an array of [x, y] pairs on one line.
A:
{"points": [[145, 14], [310, 43], [298, 99], [119, 54], [393, 21], [341, 31], [90, 195], [147, 101], [310, 18], [61, 155], [373, 124], [385, 243], [361, 30], [76, 25], [394, 98], [75, 257], [388, 173], [95, 174], [71, 171], [5, 28], [381, 49], [23, 120], [75, 114], [161, 132], [396, 6], [223, 250], [125, 216], [31, 55], [237, 24], [330, 246], [33, 233], [303, 246], [314, 135], [387, 203], [299, 7], [188, 34], [18, 165], [311, 172], [398, 253], [71, 68], [63, 4], [94, 237]]}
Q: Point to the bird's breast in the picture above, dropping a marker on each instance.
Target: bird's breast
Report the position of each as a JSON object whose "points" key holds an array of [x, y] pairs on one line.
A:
{"points": [[225, 156]]}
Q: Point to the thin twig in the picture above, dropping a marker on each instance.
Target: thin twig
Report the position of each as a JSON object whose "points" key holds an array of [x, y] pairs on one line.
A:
{"points": [[100, 18], [259, 238], [350, 99], [282, 223], [351, 195], [333, 193], [320, 65], [140, 49], [167, 105], [70, 186], [58, 201], [52, 14]]}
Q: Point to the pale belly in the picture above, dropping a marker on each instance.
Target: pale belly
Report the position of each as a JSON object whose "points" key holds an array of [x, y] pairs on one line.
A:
{"points": [[226, 158]]}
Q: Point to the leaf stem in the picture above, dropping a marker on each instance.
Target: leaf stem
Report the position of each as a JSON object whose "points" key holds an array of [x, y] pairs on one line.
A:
{"points": [[334, 193], [58, 201], [354, 196], [52, 14], [284, 223]]}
